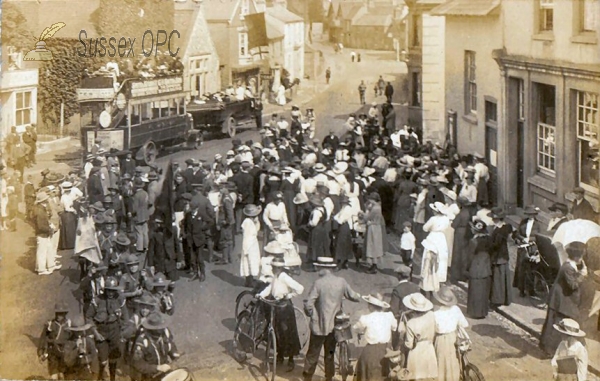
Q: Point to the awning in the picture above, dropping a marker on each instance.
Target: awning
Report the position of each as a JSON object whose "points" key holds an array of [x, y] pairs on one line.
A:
{"points": [[467, 8]]}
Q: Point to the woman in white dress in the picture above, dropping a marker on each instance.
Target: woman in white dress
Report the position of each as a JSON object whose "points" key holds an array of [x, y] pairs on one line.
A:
{"points": [[250, 260], [434, 268]]}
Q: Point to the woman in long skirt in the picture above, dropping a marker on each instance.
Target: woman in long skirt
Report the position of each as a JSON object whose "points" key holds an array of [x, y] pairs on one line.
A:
{"points": [[68, 218], [375, 237], [343, 234], [250, 260], [420, 333], [479, 272], [436, 226], [402, 201], [501, 287], [318, 241], [458, 264], [448, 320]]}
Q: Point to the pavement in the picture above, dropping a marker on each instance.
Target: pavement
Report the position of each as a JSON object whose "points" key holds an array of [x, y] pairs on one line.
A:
{"points": [[203, 322]]}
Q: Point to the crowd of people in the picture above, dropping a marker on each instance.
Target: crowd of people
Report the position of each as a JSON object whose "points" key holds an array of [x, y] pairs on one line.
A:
{"points": [[135, 230]]}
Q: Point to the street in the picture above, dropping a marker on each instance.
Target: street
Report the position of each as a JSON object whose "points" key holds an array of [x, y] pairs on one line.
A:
{"points": [[204, 312]]}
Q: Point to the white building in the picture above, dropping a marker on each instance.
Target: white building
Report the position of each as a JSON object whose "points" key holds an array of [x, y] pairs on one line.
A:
{"points": [[292, 54], [18, 95]]}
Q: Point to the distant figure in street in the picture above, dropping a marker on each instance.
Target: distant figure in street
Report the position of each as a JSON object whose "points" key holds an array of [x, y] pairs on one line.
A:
{"points": [[362, 88], [353, 56], [327, 75], [389, 91], [358, 57], [381, 85]]}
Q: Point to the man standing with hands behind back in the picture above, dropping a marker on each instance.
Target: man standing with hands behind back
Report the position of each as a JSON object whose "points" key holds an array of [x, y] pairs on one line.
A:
{"points": [[323, 303]]}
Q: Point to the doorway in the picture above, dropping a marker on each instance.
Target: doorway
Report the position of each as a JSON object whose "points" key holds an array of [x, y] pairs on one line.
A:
{"points": [[516, 124], [491, 147]]}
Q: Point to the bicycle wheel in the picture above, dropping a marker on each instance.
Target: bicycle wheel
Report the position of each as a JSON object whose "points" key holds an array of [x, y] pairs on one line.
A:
{"points": [[472, 373], [243, 337], [344, 360], [538, 296], [243, 302], [271, 355], [303, 327]]}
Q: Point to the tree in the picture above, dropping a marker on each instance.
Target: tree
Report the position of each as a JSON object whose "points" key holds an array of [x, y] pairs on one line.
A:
{"points": [[15, 31]]}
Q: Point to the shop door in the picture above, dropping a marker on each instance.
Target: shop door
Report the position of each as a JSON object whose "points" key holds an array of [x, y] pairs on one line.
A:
{"points": [[491, 156]]}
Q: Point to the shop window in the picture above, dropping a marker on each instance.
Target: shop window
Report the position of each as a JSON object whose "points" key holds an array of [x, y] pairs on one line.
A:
{"points": [[546, 15], [491, 112], [588, 129], [23, 108], [470, 83], [546, 130], [198, 75]]}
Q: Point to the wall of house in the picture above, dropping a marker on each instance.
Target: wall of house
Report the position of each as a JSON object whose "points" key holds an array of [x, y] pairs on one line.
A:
{"points": [[481, 35], [293, 45], [219, 33], [433, 53], [370, 37]]}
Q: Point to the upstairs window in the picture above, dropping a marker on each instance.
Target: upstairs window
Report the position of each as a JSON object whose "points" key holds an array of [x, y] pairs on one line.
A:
{"points": [[470, 83], [546, 13], [589, 14]]}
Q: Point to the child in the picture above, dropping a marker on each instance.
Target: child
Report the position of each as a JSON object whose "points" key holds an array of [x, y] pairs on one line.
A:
{"points": [[250, 256], [161, 292], [569, 349], [52, 341], [407, 246]]}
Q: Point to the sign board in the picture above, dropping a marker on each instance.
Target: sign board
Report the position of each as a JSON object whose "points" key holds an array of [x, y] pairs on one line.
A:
{"points": [[156, 86], [110, 139], [90, 141], [95, 94]]}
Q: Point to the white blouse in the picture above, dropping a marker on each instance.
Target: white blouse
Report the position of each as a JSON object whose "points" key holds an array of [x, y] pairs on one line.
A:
{"points": [[283, 286], [447, 320]]}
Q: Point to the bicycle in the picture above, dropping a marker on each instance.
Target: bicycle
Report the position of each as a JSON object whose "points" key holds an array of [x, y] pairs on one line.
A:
{"points": [[468, 371], [343, 332]]}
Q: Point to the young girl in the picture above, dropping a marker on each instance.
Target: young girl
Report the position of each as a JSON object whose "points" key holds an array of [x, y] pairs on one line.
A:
{"points": [[570, 347], [250, 257]]}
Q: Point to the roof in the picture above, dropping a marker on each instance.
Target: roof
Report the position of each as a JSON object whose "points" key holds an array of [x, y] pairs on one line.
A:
{"points": [[284, 15], [374, 20], [466, 8], [275, 27], [220, 10], [347, 10]]}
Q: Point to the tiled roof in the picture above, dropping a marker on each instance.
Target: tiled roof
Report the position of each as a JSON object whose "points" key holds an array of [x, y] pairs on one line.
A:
{"points": [[349, 9], [275, 27], [282, 14], [374, 20], [466, 8], [220, 10]]}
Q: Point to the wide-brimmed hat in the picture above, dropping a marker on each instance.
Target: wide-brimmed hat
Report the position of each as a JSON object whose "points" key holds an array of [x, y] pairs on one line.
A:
{"points": [[146, 299], [439, 207], [531, 210], [368, 171], [122, 239], [569, 327], [340, 168], [138, 182], [131, 259], [379, 152], [274, 247], [278, 262], [112, 283], [478, 226], [98, 206], [403, 270], [66, 185], [252, 210], [159, 280], [300, 198], [417, 302], [61, 307], [41, 197], [320, 167], [559, 206], [449, 193], [376, 300], [99, 219], [156, 321], [316, 200], [78, 324], [445, 296], [497, 213], [325, 262]]}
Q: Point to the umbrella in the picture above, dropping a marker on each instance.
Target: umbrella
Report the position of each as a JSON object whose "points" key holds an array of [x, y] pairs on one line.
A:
{"points": [[576, 231]]}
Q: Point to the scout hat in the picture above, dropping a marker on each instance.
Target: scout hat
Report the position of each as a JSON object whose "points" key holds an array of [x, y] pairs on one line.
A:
{"points": [[78, 324], [160, 280], [252, 210], [146, 299], [569, 327], [155, 321], [131, 259], [376, 300], [41, 197], [417, 302], [325, 262], [273, 247], [122, 239], [112, 284], [99, 219], [445, 296], [61, 307]]}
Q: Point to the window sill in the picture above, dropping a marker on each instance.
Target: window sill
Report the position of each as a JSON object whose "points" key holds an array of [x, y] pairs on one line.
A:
{"points": [[544, 36], [543, 182], [585, 38], [470, 118]]}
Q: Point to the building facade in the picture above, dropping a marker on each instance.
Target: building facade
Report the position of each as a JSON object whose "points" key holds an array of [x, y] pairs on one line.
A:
{"points": [[529, 96], [291, 49], [18, 90]]}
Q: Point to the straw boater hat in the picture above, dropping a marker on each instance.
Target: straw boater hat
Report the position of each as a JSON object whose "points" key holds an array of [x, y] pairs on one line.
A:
{"points": [[274, 247], [66, 185], [325, 262], [320, 167], [445, 296], [156, 321], [340, 168], [300, 198], [569, 327], [252, 210], [417, 302], [376, 300]]}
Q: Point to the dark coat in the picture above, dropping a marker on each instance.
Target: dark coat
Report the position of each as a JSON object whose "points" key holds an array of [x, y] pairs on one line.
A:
{"points": [[245, 187], [584, 211], [95, 192], [42, 221], [434, 195], [162, 254], [521, 232], [480, 265], [400, 291], [333, 141], [128, 166], [140, 210], [565, 296]]}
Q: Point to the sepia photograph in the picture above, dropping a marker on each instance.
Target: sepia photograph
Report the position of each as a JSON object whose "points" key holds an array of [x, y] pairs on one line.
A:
{"points": [[300, 190]]}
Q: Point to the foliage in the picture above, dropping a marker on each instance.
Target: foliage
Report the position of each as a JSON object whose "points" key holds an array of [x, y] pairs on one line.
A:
{"points": [[15, 31]]}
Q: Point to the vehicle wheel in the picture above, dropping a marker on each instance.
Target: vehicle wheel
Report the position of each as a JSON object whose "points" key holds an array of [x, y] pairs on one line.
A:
{"points": [[344, 359], [231, 126], [303, 327], [271, 355], [243, 337], [243, 302], [472, 373], [539, 291], [149, 152]]}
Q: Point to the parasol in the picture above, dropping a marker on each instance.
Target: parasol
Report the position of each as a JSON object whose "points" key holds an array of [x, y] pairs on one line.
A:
{"points": [[576, 231]]}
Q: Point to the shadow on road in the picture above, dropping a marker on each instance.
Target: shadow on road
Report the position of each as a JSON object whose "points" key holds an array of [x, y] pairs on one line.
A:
{"points": [[229, 323], [27, 259], [229, 278], [513, 340]]}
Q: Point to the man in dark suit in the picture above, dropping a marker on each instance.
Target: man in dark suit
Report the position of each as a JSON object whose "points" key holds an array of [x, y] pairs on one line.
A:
{"points": [[332, 140], [245, 187], [194, 175], [524, 236], [405, 287], [581, 208], [140, 215], [161, 251], [198, 223], [565, 296]]}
